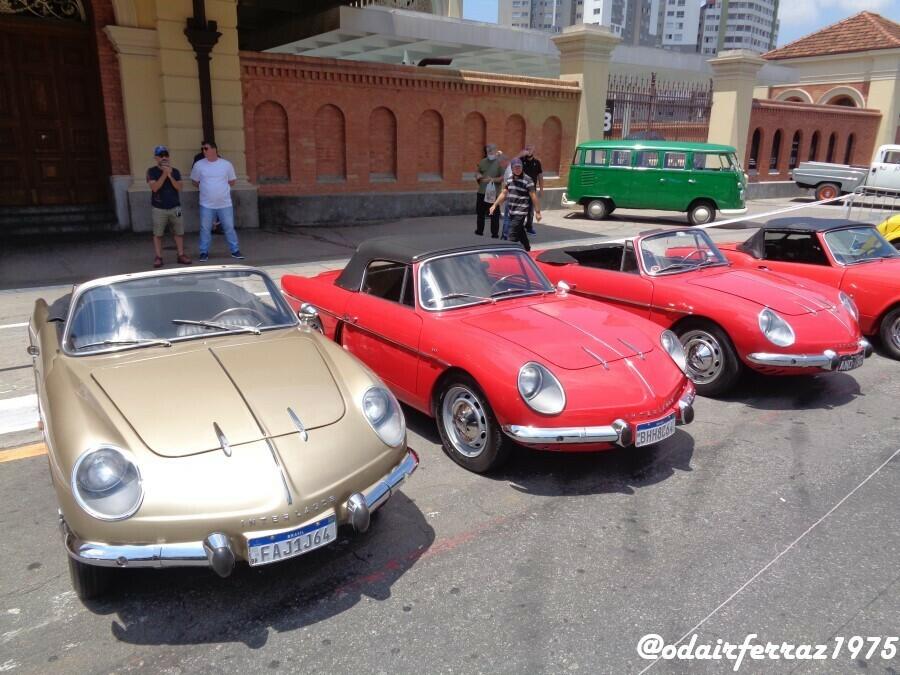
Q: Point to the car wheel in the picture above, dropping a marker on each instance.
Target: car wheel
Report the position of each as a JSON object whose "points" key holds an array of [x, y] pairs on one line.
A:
{"points": [[701, 213], [712, 362], [596, 209], [469, 430], [89, 581], [827, 191], [890, 332]]}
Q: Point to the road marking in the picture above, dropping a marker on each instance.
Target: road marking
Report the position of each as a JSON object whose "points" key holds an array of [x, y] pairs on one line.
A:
{"points": [[18, 414], [776, 558], [23, 452], [14, 325]]}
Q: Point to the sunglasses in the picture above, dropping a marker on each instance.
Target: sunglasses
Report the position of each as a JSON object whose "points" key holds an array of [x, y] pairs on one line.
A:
{"points": [[205, 147], [163, 154]]}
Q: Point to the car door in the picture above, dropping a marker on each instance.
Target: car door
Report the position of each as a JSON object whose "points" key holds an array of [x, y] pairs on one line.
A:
{"points": [[885, 171], [621, 285], [800, 253], [381, 327], [675, 185]]}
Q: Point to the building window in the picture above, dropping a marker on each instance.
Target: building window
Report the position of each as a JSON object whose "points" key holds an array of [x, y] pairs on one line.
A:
{"points": [[848, 153], [832, 141], [795, 150], [814, 147], [753, 163], [776, 152]]}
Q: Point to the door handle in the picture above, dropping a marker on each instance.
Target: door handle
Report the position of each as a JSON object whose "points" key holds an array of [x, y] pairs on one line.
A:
{"points": [[691, 180], [662, 180], [351, 319], [761, 267]]}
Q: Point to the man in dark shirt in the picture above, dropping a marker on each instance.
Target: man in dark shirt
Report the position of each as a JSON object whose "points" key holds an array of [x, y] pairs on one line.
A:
{"points": [[519, 190], [165, 185], [533, 169]]}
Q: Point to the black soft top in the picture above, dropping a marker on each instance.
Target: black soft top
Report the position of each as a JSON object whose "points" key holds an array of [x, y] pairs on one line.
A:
{"points": [[572, 254], [756, 244], [408, 249]]}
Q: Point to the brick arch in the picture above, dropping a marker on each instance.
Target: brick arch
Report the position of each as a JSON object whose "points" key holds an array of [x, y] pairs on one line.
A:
{"points": [[430, 135], [755, 147], [331, 144], [794, 151], [475, 138], [271, 144], [797, 95], [774, 159], [814, 144], [843, 95], [513, 135], [382, 144], [550, 152], [832, 147]]}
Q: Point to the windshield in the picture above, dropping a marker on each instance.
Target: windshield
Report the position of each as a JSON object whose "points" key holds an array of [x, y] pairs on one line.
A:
{"points": [[157, 310], [478, 277], [858, 244], [679, 251]]}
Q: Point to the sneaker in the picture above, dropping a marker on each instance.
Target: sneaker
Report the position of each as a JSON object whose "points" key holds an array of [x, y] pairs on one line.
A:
{"points": [[184, 260], [237, 255], [157, 262], [203, 257], [531, 231]]}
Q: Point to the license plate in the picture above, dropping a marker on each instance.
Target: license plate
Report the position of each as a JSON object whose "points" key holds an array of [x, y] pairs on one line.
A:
{"points": [[851, 362], [653, 432], [289, 544]]}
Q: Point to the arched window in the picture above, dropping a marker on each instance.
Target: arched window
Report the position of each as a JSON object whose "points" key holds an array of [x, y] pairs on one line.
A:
{"points": [[550, 150], [776, 152], [795, 150], [832, 141], [514, 135], [271, 143], [430, 135], [382, 145], [814, 147], [843, 100], [753, 164], [848, 153], [331, 146], [474, 140]]}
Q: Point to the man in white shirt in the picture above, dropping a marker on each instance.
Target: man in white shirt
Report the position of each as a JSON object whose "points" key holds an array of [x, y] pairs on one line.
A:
{"points": [[215, 176]]}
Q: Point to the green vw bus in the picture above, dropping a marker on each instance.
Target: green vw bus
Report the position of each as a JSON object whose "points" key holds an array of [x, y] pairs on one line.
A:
{"points": [[694, 178]]}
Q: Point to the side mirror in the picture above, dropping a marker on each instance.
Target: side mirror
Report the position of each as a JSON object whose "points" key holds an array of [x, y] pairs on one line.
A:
{"points": [[563, 287], [309, 317]]}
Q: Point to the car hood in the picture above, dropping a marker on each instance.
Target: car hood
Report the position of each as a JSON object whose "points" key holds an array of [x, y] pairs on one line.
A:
{"points": [[786, 297], [562, 332], [173, 401]]}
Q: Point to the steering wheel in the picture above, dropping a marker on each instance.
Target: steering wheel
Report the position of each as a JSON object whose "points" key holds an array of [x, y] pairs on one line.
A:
{"points": [[697, 253], [246, 310], [510, 276]]}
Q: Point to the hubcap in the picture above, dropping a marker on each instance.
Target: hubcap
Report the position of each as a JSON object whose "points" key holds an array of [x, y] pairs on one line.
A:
{"points": [[828, 193], [701, 214], [464, 420], [596, 209], [705, 359], [895, 332]]}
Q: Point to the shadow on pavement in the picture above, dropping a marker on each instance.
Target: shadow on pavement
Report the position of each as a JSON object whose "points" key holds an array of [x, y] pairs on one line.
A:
{"points": [[189, 607], [795, 392]]}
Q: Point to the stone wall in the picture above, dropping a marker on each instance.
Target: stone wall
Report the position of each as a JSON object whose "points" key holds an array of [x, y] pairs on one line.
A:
{"points": [[327, 127]]}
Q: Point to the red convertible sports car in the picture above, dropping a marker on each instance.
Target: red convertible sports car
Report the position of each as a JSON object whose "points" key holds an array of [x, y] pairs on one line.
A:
{"points": [[844, 254], [724, 317], [474, 335]]}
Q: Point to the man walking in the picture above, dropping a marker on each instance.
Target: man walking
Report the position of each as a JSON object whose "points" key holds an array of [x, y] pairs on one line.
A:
{"points": [[215, 176], [531, 165], [519, 190], [489, 173], [165, 204]]}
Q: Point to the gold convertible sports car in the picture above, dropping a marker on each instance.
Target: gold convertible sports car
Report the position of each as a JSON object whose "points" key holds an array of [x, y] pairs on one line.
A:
{"points": [[193, 420]]}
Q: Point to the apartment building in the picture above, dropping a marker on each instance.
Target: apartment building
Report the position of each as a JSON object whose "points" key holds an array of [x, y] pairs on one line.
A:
{"points": [[738, 24], [681, 25], [548, 15]]}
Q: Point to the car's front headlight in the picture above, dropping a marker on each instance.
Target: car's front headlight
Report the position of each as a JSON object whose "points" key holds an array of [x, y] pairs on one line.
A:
{"points": [[383, 412], [849, 305], [674, 348], [777, 330], [107, 484], [540, 389]]}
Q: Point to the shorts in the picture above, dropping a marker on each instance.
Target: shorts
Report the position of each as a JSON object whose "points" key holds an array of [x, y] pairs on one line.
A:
{"points": [[163, 217]]}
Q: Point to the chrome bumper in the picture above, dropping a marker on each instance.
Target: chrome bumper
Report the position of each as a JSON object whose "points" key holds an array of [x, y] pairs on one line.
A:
{"points": [[566, 204], [827, 360], [733, 212], [216, 551], [619, 432]]}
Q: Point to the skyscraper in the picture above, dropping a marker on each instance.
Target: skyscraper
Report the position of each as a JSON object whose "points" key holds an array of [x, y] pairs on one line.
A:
{"points": [[738, 24]]}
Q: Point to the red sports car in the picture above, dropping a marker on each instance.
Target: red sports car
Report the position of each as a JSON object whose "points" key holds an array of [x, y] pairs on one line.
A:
{"points": [[474, 335], [725, 317], [844, 254]]}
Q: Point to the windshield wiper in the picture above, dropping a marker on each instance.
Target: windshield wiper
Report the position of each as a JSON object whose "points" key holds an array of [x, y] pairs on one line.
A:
{"points": [[454, 296], [509, 291], [865, 260], [144, 342], [691, 265], [230, 327]]}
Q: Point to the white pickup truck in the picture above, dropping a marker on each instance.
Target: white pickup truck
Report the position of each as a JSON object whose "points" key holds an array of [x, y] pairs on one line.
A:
{"points": [[831, 180]]}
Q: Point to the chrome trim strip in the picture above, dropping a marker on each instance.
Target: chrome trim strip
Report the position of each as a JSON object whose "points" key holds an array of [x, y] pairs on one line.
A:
{"points": [[597, 357], [280, 467], [223, 441], [540, 435], [825, 360], [398, 345], [633, 348], [640, 375], [297, 423], [611, 298], [378, 493]]}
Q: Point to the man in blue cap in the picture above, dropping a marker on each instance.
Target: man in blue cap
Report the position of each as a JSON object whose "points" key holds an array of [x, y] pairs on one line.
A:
{"points": [[165, 201], [519, 190]]}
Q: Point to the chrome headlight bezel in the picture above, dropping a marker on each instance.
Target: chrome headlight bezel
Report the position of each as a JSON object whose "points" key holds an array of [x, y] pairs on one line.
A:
{"points": [[673, 347], [390, 424], [775, 329], [547, 395], [90, 500], [849, 305]]}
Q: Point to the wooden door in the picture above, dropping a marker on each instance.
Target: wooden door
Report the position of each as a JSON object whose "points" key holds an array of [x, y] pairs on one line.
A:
{"points": [[52, 131]]}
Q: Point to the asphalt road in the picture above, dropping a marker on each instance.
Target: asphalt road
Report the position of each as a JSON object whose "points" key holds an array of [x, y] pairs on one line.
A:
{"points": [[774, 513]]}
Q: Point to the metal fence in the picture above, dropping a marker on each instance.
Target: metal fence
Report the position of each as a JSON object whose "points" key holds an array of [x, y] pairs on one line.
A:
{"points": [[639, 107]]}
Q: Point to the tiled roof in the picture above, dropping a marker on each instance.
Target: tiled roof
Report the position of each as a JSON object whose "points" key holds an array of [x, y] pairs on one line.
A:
{"points": [[861, 32]]}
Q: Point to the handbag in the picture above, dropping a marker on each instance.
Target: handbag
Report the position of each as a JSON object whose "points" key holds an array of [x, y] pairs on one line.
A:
{"points": [[490, 192]]}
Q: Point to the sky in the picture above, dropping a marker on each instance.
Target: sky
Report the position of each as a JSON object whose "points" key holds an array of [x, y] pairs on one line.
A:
{"points": [[798, 17]]}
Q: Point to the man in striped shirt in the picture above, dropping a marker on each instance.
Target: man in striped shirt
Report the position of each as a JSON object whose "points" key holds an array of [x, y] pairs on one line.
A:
{"points": [[519, 190]]}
